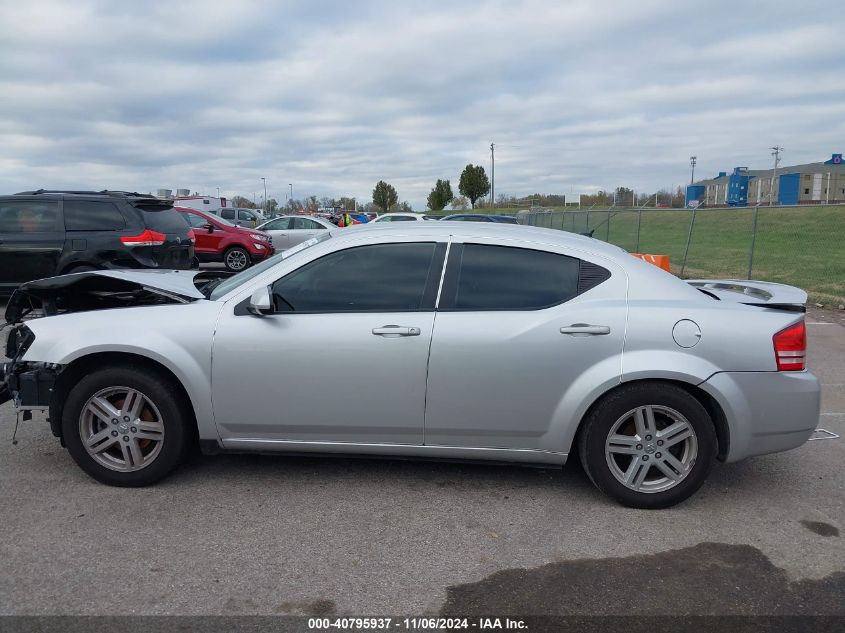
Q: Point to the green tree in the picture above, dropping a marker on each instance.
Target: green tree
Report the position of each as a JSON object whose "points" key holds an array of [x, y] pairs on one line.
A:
{"points": [[440, 196], [474, 183], [384, 196]]}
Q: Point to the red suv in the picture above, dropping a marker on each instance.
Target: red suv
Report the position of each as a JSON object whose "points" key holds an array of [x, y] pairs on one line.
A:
{"points": [[219, 240]]}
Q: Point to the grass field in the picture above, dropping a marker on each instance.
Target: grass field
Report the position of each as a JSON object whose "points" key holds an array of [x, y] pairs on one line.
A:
{"points": [[800, 246]]}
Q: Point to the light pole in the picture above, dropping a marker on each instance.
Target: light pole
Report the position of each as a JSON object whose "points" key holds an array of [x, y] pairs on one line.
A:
{"points": [[218, 192], [776, 150], [264, 180], [692, 161], [291, 190]]}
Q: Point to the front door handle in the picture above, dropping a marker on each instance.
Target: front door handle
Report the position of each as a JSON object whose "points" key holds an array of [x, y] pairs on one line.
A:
{"points": [[392, 331], [585, 329]]}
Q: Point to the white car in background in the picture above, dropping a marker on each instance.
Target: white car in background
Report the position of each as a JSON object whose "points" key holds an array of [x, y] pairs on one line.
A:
{"points": [[290, 230], [402, 217]]}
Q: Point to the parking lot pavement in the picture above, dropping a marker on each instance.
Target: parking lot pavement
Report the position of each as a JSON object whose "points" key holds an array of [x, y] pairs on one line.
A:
{"points": [[265, 535]]}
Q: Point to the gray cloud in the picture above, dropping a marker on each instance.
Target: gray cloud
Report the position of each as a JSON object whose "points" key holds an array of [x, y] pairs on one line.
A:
{"points": [[333, 96]]}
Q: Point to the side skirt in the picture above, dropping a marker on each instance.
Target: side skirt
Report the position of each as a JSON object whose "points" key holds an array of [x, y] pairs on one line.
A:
{"points": [[396, 451]]}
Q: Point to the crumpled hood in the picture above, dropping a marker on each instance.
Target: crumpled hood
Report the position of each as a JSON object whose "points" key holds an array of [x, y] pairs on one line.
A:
{"points": [[104, 289]]}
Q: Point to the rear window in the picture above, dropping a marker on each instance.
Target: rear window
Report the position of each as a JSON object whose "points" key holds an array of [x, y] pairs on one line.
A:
{"points": [[164, 221], [92, 215]]}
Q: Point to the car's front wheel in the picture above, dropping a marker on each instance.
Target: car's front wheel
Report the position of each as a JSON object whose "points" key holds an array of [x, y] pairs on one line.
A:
{"points": [[125, 426], [236, 259], [648, 445]]}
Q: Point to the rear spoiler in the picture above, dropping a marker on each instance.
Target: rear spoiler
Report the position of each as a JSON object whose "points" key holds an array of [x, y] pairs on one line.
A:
{"points": [[754, 293]]}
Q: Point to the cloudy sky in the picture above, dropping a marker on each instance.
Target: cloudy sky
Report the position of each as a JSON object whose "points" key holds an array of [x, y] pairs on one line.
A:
{"points": [[333, 96]]}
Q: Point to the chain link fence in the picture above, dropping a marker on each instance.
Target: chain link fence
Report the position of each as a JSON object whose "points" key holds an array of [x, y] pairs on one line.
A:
{"points": [[799, 246]]}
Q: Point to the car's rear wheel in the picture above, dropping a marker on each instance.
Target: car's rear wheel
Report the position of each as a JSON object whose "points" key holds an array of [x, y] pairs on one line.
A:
{"points": [[236, 259], [125, 426], [648, 445]]}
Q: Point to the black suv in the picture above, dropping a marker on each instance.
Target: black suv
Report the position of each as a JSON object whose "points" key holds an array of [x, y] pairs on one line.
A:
{"points": [[45, 233]]}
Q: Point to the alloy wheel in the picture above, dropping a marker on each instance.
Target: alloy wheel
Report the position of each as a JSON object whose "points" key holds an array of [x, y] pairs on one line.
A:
{"points": [[122, 429], [236, 260], [651, 448]]}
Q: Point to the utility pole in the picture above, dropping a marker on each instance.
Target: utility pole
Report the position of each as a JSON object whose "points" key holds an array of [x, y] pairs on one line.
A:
{"points": [[776, 150], [692, 161], [218, 192], [264, 180], [291, 190], [492, 175]]}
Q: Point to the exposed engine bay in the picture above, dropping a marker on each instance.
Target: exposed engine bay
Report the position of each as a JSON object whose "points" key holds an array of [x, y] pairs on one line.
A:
{"points": [[30, 384]]}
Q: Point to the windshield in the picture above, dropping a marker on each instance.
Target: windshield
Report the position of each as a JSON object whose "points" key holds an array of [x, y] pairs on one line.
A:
{"points": [[217, 288]]}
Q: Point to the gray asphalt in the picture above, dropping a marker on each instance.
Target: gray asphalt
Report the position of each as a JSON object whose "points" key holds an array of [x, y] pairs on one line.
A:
{"points": [[273, 535]]}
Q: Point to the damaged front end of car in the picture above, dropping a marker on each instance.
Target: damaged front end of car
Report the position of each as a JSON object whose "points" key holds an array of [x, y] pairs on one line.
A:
{"points": [[30, 384]]}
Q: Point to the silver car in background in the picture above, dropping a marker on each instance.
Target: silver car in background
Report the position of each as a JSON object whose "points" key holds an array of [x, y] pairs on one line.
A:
{"points": [[488, 342], [289, 230]]}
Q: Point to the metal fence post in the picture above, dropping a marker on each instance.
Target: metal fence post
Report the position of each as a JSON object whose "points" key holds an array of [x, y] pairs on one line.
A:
{"points": [[753, 240], [607, 229], [689, 238], [587, 228], [639, 222]]}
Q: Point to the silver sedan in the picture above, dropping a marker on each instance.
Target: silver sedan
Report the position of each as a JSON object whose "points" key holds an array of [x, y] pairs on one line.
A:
{"points": [[290, 230], [488, 342]]}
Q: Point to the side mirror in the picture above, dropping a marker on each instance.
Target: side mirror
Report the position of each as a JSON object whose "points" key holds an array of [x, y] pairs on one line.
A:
{"points": [[210, 227], [261, 302]]}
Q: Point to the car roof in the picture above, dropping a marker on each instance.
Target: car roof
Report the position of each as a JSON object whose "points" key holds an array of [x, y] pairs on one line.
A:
{"points": [[492, 230]]}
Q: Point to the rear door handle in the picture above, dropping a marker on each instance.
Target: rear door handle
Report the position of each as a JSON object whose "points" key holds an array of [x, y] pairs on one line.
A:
{"points": [[391, 331], [584, 329]]}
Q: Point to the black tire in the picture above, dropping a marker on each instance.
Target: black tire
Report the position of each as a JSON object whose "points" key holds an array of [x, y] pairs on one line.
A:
{"points": [[158, 390], [606, 415], [236, 254]]}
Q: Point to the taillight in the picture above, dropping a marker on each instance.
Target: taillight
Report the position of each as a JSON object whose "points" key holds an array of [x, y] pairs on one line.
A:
{"points": [[147, 238], [192, 237], [791, 347]]}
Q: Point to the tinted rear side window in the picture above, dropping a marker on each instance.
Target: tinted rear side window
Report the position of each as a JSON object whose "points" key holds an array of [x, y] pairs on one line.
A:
{"points": [[92, 215], [508, 278], [375, 278], [22, 216]]}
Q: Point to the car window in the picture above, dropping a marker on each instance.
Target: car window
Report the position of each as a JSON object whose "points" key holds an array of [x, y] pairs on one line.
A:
{"points": [[195, 221], [402, 218], [305, 224], [22, 216], [229, 214], [373, 278], [92, 215], [245, 215], [510, 278], [282, 224]]}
